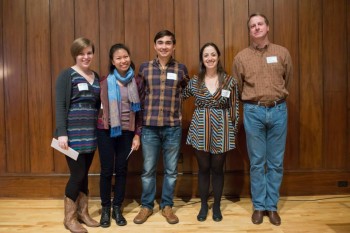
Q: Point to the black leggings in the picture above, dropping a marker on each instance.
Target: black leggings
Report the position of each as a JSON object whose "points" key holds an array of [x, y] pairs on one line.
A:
{"points": [[78, 180], [214, 164]]}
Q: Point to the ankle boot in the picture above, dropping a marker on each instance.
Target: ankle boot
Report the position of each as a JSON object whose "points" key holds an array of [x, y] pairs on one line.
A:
{"points": [[105, 216], [202, 215], [83, 211], [217, 216], [118, 216], [70, 217]]}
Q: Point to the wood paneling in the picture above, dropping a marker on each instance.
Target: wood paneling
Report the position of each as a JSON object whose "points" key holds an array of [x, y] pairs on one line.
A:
{"points": [[335, 83], [236, 39], [138, 38], [161, 17], [137, 30], [2, 101], [311, 84], [39, 86], [112, 31], [266, 8], [86, 20], [211, 25], [16, 86], [187, 52], [62, 36], [36, 36], [286, 34]]}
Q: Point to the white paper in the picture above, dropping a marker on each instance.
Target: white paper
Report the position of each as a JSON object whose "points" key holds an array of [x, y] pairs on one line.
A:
{"points": [[70, 152], [132, 149], [272, 59], [171, 76]]}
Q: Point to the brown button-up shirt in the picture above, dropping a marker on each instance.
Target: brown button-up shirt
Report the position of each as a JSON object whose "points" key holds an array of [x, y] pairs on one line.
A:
{"points": [[263, 74]]}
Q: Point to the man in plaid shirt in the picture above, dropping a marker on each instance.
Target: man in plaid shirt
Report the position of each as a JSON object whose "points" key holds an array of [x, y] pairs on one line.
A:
{"points": [[161, 81]]}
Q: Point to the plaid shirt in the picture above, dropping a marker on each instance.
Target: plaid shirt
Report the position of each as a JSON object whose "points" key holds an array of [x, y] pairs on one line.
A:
{"points": [[160, 92]]}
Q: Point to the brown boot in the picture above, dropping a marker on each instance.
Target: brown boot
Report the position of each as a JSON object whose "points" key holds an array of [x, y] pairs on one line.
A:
{"points": [[83, 211], [70, 217]]}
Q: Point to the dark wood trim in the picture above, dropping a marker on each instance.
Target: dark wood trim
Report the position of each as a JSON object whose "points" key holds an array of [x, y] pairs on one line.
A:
{"points": [[236, 184]]}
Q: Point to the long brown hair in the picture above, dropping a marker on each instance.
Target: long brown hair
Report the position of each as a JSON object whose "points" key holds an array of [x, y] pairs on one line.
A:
{"points": [[202, 69]]}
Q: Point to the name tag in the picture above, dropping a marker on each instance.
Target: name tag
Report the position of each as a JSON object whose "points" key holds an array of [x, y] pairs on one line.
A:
{"points": [[225, 93], [171, 76], [83, 87], [272, 59]]}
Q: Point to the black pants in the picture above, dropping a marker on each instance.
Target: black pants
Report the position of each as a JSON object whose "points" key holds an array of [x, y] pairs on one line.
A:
{"points": [[210, 164], [78, 180], [113, 154]]}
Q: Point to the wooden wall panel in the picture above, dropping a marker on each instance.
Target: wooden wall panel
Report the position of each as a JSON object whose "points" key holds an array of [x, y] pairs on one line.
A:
{"points": [[187, 52], [266, 8], [236, 39], [137, 30], [161, 16], [112, 31], [62, 36], [211, 29], [335, 83], [87, 25], [286, 34], [2, 100], [16, 114], [348, 92], [137, 37], [39, 86], [311, 84]]}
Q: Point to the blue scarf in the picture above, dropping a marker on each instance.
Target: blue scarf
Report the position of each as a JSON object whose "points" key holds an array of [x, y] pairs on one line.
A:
{"points": [[114, 98]]}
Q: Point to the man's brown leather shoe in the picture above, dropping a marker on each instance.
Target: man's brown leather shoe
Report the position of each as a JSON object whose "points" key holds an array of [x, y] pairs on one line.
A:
{"points": [[275, 219], [168, 213], [257, 217], [142, 216]]}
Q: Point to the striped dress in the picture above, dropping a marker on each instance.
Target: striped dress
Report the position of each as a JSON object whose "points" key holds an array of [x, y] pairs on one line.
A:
{"points": [[215, 119], [82, 114]]}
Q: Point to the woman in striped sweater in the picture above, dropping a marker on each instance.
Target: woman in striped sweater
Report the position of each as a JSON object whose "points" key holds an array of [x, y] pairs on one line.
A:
{"points": [[213, 127]]}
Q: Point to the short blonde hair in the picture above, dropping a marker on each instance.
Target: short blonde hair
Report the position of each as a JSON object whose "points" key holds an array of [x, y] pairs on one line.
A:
{"points": [[79, 44]]}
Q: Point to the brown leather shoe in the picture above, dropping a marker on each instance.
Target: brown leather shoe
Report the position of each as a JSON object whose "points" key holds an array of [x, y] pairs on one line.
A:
{"points": [[275, 219], [142, 216], [257, 217], [168, 213]]}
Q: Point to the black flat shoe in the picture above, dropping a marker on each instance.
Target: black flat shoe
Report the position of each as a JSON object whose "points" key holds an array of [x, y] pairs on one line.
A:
{"points": [[118, 216], [202, 215], [105, 217], [217, 216]]}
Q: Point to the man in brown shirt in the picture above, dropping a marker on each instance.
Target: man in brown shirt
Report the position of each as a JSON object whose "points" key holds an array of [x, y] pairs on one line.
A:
{"points": [[263, 71]]}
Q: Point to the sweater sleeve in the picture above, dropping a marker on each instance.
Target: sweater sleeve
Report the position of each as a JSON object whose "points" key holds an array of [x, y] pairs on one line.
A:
{"points": [[61, 103]]}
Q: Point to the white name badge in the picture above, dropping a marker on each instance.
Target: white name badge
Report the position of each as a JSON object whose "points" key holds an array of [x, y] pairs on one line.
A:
{"points": [[272, 59], [225, 93], [83, 87], [171, 76]]}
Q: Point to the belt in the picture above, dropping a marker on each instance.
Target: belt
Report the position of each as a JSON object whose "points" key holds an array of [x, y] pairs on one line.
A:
{"points": [[267, 104]]}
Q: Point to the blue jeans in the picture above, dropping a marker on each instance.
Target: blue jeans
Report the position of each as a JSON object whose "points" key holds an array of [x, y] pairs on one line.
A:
{"points": [[155, 139], [113, 153], [266, 132]]}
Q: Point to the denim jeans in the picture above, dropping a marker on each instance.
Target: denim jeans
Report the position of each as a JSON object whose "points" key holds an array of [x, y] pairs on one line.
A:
{"points": [[113, 153], [167, 140], [266, 132]]}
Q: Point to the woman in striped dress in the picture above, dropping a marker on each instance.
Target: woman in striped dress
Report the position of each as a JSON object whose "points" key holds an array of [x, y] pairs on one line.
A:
{"points": [[213, 127], [77, 105]]}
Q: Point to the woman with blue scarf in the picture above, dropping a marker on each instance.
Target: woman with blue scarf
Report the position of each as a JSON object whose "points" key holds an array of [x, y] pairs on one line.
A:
{"points": [[119, 130]]}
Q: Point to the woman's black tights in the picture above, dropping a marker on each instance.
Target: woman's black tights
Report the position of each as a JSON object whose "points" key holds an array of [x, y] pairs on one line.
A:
{"points": [[78, 180], [214, 164]]}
